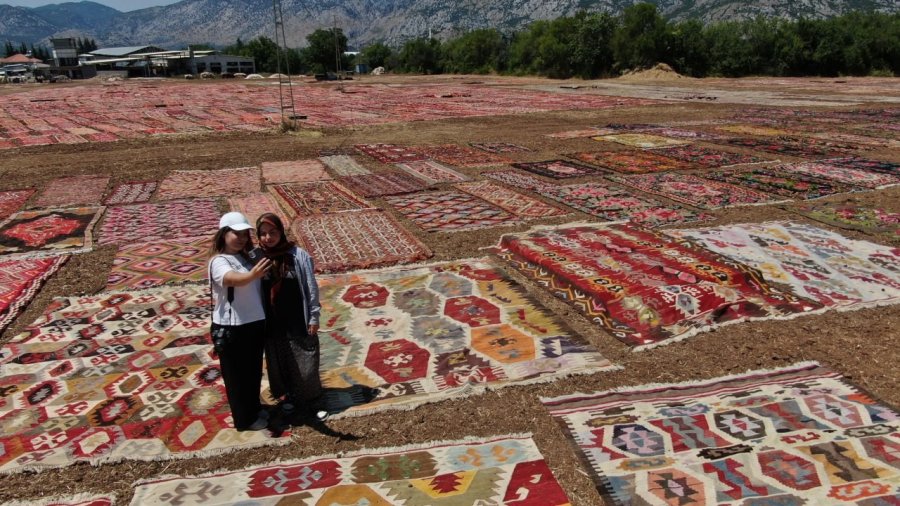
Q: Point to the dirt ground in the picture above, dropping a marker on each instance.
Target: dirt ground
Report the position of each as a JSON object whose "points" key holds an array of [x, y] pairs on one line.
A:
{"points": [[863, 345]]}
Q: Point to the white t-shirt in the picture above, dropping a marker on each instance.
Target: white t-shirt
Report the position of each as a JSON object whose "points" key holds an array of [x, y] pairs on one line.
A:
{"points": [[247, 305]]}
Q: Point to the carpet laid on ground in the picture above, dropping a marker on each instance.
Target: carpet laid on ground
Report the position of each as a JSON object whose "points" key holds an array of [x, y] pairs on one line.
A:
{"points": [[578, 134], [557, 169], [180, 184], [306, 199], [798, 147], [432, 172], [870, 220], [383, 183], [131, 192], [293, 171], [791, 436], [505, 469], [707, 157], [427, 333], [844, 175], [631, 162], [255, 204], [816, 263], [49, 231], [344, 165], [696, 191], [12, 201], [517, 178], [450, 211], [115, 376], [645, 141], [390, 153], [643, 287], [781, 181], [461, 156], [163, 221], [354, 240], [20, 281], [521, 205], [72, 191], [144, 265], [854, 162], [499, 147], [85, 499]]}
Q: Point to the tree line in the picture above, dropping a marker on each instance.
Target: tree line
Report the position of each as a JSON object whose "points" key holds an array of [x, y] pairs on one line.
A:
{"points": [[42, 52]]}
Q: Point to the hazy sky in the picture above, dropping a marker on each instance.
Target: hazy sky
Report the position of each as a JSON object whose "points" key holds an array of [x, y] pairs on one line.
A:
{"points": [[122, 5]]}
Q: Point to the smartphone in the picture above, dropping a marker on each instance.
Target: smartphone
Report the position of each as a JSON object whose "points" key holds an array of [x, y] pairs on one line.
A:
{"points": [[255, 255]]}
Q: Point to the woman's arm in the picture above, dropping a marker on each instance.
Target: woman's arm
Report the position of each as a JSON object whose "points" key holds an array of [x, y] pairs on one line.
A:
{"points": [[234, 278], [312, 286]]}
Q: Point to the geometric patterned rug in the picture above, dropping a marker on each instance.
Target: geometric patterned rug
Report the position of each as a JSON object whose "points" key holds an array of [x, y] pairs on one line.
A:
{"points": [[383, 183], [174, 219], [11, 201], [432, 172], [115, 376], [695, 191], [390, 153], [862, 163], [791, 146], [209, 183], [450, 211], [255, 204], [780, 180], [130, 193], [846, 175], [643, 287], [838, 272], [427, 333], [498, 147], [295, 171], [86, 499], [321, 197], [707, 157], [20, 281], [144, 265], [500, 470], [557, 169], [645, 141], [49, 231], [516, 203], [357, 240], [790, 436], [72, 191], [344, 165], [633, 162], [461, 156], [851, 216], [517, 178]]}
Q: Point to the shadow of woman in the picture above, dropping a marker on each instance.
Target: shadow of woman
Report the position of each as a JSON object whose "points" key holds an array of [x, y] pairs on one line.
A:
{"points": [[334, 401]]}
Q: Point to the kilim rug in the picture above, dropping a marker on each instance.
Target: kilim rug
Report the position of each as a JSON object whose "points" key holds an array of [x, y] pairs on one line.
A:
{"points": [[846, 175], [518, 179], [450, 211], [144, 265], [683, 134], [696, 191], [427, 333], [861, 140], [752, 130], [432, 172], [780, 180], [209, 183], [790, 436], [305, 199], [49, 231], [800, 148], [75, 190], [132, 192], [499, 147], [13, 200], [514, 202], [501, 470], [854, 162], [353, 240], [344, 165], [116, 376], [855, 217], [577, 134], [383, 183], [818, 264], [643, 287], [256, 204], [619, 205], [74, 500], [632, 162], [706, 157], [642, 140], [557, 169], [20, 281], [296, 171], [461, 156], [390, 153], [163, 221]]}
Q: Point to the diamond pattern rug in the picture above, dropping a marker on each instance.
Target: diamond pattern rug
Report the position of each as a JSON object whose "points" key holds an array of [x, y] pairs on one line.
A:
{"points": [[49, 231], [131, 193], [420, 334], [293, 171], [818, 264], [383, 183], [145, 265], [256, 204], [450, 211], [643, 287], [499, 147], [390, 153], [432, 172], [557, 169], [461, 156], [854, 162], [20, 281], [501, 470], [344, 165], [360, 239], [696, 191], [12, 201], [209, 183], [70, 191], [846, 175], [163, 221], [782, 181], [518, 179], [514, 202], [632, 162], [306, 199], [644, 141], [707, 157], [873, 221], [790, 436]]}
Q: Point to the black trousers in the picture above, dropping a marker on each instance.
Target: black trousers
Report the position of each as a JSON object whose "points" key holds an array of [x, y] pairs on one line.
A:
{"points": [[240, 359]]}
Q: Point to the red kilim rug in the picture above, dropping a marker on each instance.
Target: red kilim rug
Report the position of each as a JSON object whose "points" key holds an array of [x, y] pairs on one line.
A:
{"points": [[500, 470], [852, 216], [518, 179], [145, 265], [557, 169], [511, 201], [643, 287], [707, 157], [354, 240], [256, 204], [461, 156], [163, 221], [846, 175], [209, 183], [632, 162], [383, 183], [131, 193], [781, 180], [855, 162], [75, 190], [344, 165], [298, 171], [305, 199], [390, 153], [20, 280], [450, 211], [432, 172], [49, 231], [13, 200], [696, 191]]}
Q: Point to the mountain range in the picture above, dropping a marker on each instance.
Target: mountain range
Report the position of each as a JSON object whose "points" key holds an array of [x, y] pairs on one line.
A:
{"points": [[222, 22]]}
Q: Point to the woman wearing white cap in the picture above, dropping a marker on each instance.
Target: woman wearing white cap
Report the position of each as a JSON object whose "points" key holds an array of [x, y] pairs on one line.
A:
{"points": [[239, 319]]}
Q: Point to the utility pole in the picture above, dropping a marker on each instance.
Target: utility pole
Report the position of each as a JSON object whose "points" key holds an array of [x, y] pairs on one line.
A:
{"points": [[285, 87], [337, 54]]}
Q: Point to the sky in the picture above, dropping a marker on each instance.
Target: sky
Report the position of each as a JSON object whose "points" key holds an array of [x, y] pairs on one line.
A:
{"points": [[122, 5]]}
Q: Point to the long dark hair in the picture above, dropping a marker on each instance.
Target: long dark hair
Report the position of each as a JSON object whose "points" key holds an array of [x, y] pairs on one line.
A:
{"points": [[218, 243]]}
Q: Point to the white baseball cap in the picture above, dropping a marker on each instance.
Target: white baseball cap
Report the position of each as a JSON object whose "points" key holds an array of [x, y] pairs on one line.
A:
{"points": [[235, 221]]}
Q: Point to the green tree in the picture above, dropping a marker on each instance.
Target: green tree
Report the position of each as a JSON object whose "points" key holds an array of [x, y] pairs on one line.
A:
{"points": [[322, 49], [376, 55], [591, 45], [479, 52], [640, 40], [421, 56], [8, 49], [689, 53]]}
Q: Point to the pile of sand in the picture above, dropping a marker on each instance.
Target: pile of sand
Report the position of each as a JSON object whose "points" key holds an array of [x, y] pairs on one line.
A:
{"points": [[659, 72]]}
